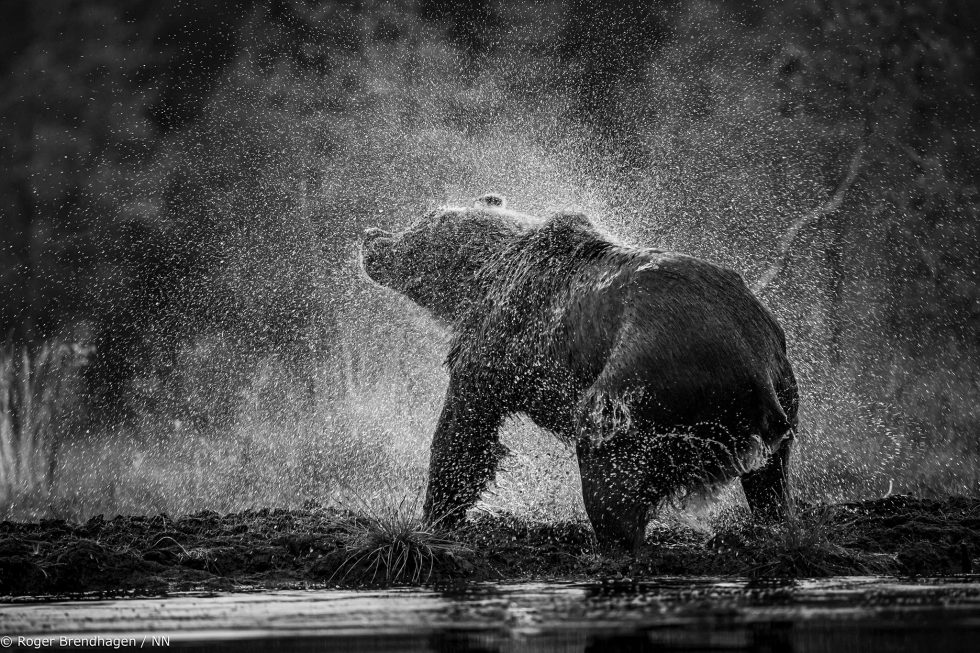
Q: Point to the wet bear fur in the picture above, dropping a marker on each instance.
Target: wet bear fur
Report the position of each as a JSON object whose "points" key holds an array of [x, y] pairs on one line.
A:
{"points": [[663, 370]]}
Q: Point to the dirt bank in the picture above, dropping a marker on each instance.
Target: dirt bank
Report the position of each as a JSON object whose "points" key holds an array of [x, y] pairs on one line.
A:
{"points": [[318, 547]]}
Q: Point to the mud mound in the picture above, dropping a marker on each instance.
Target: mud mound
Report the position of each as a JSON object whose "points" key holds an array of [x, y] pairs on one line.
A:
{"points": [[317, 546], [927, 536]]}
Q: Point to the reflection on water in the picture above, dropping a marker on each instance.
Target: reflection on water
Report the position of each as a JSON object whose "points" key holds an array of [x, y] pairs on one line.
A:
{"points": [[827, 637], [683, 614]]}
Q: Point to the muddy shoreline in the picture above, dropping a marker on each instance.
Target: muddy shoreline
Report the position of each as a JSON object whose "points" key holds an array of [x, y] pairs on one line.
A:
{"points": [[324, 547]]}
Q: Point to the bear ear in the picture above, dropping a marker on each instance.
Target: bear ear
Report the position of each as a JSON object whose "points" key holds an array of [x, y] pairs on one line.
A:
{"points": [[571, 220], [490, 201]]}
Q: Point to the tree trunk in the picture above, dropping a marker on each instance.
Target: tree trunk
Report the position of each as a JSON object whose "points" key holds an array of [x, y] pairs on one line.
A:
{"points": [[26, 285]]}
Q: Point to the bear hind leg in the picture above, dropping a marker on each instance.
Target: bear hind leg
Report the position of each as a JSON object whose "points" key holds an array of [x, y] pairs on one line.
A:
{"points": [[616, 504], [767, 488]]}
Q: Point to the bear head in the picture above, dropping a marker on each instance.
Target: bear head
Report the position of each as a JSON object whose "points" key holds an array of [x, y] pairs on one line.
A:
{"points": [[435, 262]]}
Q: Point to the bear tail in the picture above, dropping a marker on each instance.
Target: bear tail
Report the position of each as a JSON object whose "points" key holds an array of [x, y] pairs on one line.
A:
{"points": [[773, 424]]}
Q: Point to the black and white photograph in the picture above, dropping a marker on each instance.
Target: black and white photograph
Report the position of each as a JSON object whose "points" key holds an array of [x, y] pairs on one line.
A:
{"points": [[492, 326]]}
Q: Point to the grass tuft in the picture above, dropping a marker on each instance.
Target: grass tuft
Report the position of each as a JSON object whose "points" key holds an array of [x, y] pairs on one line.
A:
{"points": [[801, 546], [394, 545]]}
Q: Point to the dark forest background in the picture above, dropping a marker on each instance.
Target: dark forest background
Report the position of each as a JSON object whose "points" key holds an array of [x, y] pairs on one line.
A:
{"points": [[183, 185]]}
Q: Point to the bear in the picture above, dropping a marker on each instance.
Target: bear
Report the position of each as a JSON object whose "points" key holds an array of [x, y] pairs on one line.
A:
{"points": [[664, 371]]}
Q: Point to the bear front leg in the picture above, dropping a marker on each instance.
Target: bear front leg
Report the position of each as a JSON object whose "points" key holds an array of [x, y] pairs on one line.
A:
{"points": [[767, 488], [465, 453]]}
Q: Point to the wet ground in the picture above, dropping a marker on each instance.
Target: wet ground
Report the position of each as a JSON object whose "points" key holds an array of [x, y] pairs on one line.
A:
{"points": [[679, 613], [318, 548]]}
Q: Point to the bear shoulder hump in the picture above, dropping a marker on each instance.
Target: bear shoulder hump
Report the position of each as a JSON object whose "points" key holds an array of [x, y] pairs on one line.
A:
{"points": [[683, 265], [570, 220]]}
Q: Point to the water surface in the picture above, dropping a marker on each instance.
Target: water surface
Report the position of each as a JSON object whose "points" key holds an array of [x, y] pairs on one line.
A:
{"points": [[684, 614]]}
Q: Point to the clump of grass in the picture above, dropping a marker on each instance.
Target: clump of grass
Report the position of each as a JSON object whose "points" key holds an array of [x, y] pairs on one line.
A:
{"points": [[801, 546], [37, 394], [392, 544]]}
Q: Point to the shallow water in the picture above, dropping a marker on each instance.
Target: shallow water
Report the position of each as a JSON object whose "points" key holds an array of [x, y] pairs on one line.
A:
{"points": [[689, 614]]}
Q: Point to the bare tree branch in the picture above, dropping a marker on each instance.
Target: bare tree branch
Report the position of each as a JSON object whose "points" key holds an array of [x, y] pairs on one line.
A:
{"points": [[813, 217]]}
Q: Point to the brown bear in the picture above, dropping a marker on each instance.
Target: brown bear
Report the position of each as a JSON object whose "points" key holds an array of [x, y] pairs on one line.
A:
{"points": [[665, 371]]}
